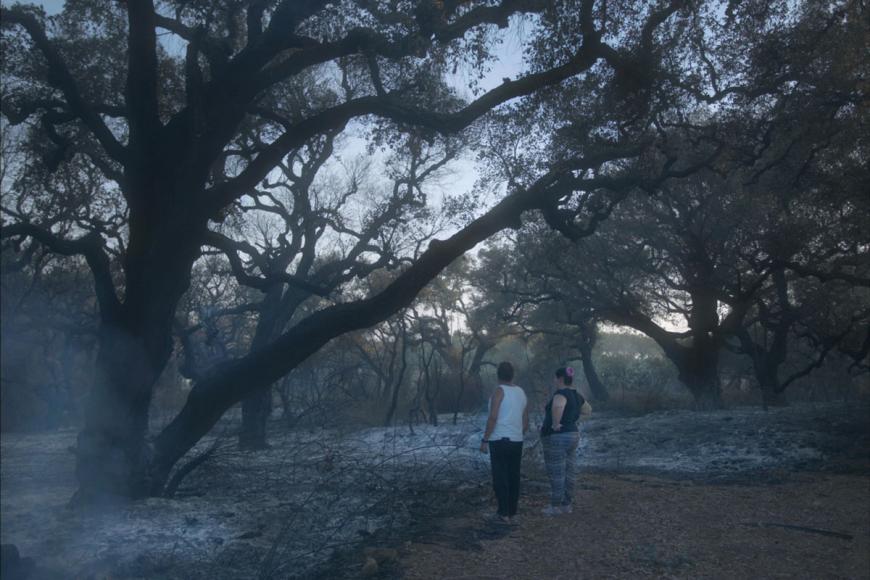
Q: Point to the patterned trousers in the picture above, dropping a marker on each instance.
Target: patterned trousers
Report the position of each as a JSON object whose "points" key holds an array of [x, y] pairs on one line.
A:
{"points": [[560, 458]]}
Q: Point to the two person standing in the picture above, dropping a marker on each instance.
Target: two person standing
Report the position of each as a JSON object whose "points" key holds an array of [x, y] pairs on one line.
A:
{"points": [[506, 426]]}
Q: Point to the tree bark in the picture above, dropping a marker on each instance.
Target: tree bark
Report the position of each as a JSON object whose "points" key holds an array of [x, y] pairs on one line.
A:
{"points": [[699, 365], [483, 347], [459, 395], [257, 408], [400, 377], [767, 357], [112, 456], [599, 391], [702, 379], [135, 343], [698, 368], [772, 395]]}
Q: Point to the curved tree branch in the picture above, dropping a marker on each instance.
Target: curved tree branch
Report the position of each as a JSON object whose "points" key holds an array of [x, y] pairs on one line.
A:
{"points": [[231, 249], [61, 78], [91, 247], [392, 107]]}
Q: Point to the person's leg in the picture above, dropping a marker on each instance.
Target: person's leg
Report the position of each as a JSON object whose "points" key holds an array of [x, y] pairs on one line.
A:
{"points": [[570, 468], [554, 461], [499, 462], [514, 468]]}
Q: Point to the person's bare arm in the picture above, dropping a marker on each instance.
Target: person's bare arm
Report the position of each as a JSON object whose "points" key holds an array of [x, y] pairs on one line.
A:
{"points": [[585, 411], [559, 403], [494, 406]]}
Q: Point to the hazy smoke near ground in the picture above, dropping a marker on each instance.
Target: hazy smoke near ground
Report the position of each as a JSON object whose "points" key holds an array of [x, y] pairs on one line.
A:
{"points": [[283, 513]]}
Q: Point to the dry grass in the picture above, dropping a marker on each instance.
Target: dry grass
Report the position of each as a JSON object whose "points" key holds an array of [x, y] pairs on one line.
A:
{"points": [[647, 527]]}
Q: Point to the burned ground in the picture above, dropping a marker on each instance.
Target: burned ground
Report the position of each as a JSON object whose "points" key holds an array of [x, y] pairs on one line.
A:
{"points": [[671, 493], [809, 525]]}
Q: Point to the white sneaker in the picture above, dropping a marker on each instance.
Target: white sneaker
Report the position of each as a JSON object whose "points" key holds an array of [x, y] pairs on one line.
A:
{"points": [[495, 518], [552, 510]]}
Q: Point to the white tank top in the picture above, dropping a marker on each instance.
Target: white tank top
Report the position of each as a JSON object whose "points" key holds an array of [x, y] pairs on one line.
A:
{"points": [[510, 414]]}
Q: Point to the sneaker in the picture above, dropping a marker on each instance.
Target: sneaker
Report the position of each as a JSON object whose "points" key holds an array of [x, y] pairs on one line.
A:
{"points": [[566, 509], [496, 518], [552, 510]]}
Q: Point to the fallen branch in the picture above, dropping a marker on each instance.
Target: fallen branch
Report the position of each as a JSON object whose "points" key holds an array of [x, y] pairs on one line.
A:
{"points": [[829, 533], [185, 470]]}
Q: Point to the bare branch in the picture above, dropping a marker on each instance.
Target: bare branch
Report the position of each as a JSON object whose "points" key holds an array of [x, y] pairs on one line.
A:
{"points": [[91, 247], [231, 249], [63, 80]]}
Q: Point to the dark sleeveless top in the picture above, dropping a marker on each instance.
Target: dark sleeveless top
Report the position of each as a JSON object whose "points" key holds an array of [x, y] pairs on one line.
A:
{"points": [[569, 416]]}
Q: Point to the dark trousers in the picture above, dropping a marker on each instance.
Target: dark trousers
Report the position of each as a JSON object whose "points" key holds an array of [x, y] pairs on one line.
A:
{"points": [[505, 457]]}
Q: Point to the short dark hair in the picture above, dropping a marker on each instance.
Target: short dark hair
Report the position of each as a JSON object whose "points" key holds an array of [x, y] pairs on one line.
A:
{"points": [[567, 377], [505, 371]]}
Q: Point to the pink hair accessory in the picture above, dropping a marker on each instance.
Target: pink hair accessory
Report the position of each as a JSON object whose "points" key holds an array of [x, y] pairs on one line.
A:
{"points": [[569, 371]]}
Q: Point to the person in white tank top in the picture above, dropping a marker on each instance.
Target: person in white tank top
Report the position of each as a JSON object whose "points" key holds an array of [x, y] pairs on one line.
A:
{"points": [[503, 438], [509, 419]]}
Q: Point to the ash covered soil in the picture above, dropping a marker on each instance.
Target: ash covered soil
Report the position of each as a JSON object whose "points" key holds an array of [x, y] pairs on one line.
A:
{"points": [[310, 505]]}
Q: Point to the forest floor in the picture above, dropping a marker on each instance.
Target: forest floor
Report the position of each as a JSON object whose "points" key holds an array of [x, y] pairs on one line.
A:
{"points": [[806, 525], [735, 493]]}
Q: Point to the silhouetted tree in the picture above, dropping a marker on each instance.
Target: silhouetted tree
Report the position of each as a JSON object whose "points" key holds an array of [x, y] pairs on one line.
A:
{"points": [[97, 92]]}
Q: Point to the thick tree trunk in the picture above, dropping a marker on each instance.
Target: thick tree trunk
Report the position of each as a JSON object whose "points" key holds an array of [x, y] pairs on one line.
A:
{"points": [[256, 411], [112, 456], [772, 392], [699, 364], [706, 391], [699, 371], [766, 363], [483, 347], [772, 396], [257, 408], [599, 391]]}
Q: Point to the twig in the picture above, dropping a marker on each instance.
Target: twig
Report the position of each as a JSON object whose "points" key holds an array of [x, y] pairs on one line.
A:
{"points": [[840, 535]]}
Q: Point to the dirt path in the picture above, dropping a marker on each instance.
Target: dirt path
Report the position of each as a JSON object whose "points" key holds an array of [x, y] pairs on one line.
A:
{"points": [[647, 527]]}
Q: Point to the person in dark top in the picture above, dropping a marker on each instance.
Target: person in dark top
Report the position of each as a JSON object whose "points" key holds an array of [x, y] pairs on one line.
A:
{"points": [[560, 437]]}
